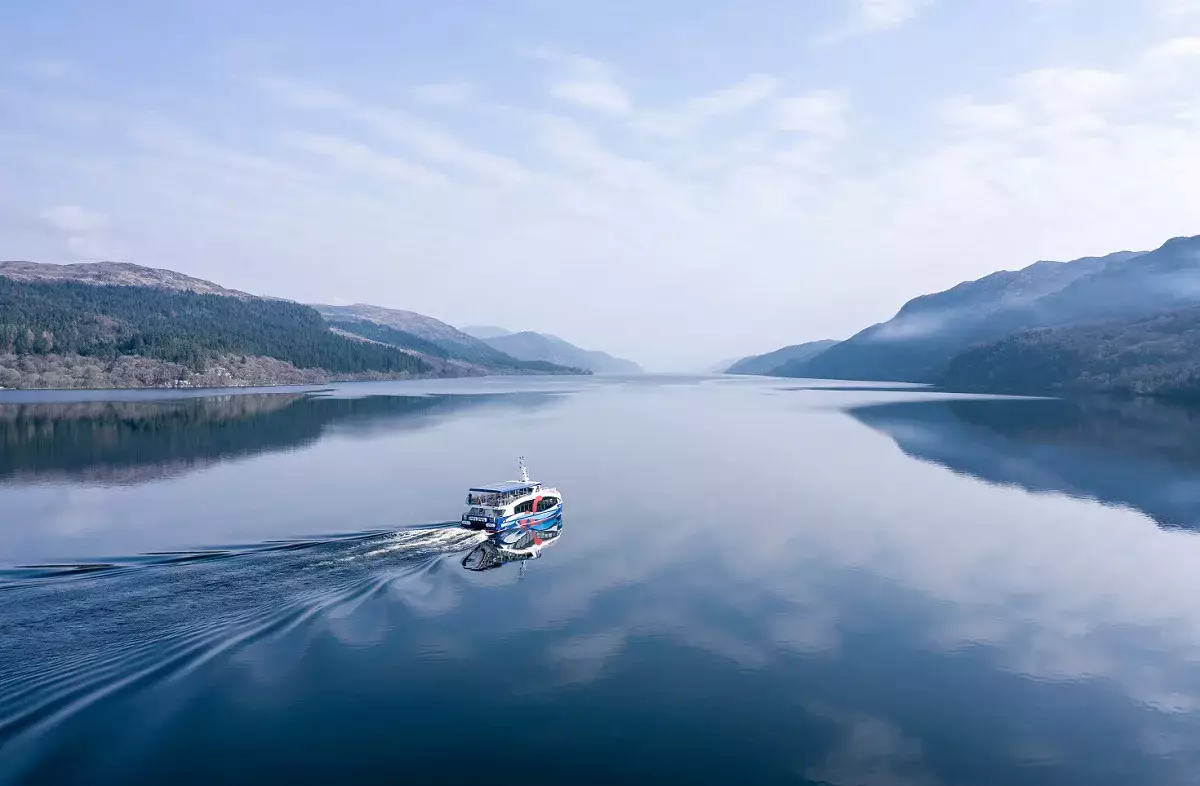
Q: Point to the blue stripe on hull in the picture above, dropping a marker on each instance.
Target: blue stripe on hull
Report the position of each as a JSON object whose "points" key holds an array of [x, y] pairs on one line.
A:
{"points": [[534, 520]]}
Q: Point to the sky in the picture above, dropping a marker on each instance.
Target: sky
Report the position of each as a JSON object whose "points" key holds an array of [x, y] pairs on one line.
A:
{"points": [[673, 181]]}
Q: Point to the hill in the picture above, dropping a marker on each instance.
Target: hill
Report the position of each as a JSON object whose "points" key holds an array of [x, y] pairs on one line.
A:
{"points": [[115, 324], [1157, 356], [532, 346], [916, 344], [62, 332], [433, 338], [773, 363], [123, 274]]}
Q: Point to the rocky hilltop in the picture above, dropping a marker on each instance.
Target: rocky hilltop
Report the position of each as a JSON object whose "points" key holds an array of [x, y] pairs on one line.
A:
{"points": [[121, 274]]}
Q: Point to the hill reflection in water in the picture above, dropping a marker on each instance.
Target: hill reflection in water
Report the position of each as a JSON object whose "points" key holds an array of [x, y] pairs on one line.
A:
{"points": [[1140, 453], [129, 442]]}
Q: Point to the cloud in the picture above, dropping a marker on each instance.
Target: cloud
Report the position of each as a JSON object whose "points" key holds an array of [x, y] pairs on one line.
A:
{"points": [[359, 158], [1176, 10], [1175, 48], [885, 14], [588, 83], [820, 112], [873, 16], [732, 100], [421, 138]]}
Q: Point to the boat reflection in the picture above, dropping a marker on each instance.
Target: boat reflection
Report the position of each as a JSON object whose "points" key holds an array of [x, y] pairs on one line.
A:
{"points": [[499, 550]]}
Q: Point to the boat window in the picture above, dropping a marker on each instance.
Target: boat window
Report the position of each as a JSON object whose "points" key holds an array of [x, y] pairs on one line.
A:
{"points": [[524, 507]]}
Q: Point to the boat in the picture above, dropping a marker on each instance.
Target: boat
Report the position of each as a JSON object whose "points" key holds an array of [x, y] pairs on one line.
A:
{"points": [[510, 510]]}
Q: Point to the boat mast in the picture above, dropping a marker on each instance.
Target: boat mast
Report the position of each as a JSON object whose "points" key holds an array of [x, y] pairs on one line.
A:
{"points": [[524, 472]]}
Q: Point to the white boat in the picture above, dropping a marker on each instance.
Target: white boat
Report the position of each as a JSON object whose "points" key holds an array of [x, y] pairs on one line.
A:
{"points": [[513, 509]]}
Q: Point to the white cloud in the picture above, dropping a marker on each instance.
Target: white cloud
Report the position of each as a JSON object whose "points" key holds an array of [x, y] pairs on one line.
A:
{"points": [[821, 112], [359, 158], [1176, 10], [441, 147], [732, 100], [422, 138], [1177, 47], [884, 14], [872, 16], [588, 83]]}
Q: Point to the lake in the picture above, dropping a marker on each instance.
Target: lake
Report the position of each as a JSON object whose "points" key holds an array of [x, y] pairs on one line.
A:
{"points": [[757, 582]]}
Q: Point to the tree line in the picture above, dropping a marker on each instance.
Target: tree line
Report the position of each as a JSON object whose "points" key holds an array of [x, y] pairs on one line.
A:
{"points": [[179, 327]]}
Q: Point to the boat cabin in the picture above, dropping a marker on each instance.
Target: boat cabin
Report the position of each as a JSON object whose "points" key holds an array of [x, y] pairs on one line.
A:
{"points": [[501, 494]]}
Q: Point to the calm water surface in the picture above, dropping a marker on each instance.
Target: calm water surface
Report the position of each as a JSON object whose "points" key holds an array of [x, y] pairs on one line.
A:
{"points": [[757, 582]]}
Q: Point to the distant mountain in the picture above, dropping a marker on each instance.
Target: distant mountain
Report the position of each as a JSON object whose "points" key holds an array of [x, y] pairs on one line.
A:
{"points": [[1127, 322], [720, 367], [772, 363], [432, 338], [485, 332], [551, 349], [916, 344]]}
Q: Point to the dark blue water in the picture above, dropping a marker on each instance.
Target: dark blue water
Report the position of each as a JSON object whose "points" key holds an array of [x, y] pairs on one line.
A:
{"points": [[755, 583]]}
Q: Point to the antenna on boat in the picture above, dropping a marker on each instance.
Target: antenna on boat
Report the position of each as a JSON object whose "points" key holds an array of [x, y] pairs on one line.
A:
{"points": [[524, 472]]}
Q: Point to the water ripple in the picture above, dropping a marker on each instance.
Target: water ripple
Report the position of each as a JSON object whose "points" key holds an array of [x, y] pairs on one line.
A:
{"points": [[159, 617]]}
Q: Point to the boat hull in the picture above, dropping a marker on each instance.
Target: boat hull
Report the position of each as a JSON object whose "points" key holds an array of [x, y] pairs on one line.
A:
{"points": [[540, 520]]}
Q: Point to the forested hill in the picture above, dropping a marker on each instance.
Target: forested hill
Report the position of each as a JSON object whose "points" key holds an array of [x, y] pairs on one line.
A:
{"points": [[491, 360], [71, 334]]}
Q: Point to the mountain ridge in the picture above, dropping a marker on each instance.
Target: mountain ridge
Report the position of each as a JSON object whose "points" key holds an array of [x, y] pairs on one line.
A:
{"points": [[125, 274], [771, 363], [927, 331], [533, 346], [432, 338], [119, 324]]}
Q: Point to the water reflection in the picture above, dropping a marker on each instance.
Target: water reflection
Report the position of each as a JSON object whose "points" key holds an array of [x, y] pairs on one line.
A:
{"points": [[128, 442], [1141, 453], [493, 553]]}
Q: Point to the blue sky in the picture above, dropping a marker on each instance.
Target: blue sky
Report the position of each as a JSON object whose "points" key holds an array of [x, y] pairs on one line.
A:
{"points": [[676, 182]]}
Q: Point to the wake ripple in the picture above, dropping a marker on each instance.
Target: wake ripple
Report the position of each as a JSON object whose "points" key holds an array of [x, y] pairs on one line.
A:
{"points": [[80, 634]]}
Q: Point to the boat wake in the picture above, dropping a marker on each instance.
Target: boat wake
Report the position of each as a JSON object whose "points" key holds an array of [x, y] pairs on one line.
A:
{"points": [[77, 635]]}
